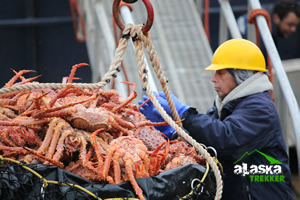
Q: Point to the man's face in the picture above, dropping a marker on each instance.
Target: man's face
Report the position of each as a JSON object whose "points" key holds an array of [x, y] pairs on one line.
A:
{"points": [[287, 25], [224, 82]]}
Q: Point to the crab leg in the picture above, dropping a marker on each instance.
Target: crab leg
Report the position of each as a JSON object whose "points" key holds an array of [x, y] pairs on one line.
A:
{"points": [[60, 144], [74, 68], [28, 80], [43, 113], [10, 94], [117, 170], [55, 137], [63, 92], [143, 167], [99, 156], [48, 136], [57, 163], [108, 157], [23, 122], [156, 158], [128, 167], [38, 99], [84, 157], [132, 96], [65, 79], [11, 101], [13, 150], [18, 75], [149, 123], [21, 77]]}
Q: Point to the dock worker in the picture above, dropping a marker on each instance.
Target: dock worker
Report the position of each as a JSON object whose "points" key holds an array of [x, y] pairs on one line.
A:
{"points": [[243, 124]]}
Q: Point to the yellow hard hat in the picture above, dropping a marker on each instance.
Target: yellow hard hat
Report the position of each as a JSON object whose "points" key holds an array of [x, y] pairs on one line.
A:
{"points": [[238, 54]]}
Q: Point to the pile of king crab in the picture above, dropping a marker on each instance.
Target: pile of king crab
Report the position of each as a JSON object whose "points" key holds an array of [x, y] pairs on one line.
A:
{"points": [[92, 133]]}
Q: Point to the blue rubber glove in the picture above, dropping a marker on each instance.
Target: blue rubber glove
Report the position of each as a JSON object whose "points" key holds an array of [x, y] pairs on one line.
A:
{"points": [[152, 114], [180, 107]]}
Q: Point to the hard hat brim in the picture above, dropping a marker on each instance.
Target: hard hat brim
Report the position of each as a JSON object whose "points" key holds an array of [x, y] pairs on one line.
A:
{"points": [[213, 67]]}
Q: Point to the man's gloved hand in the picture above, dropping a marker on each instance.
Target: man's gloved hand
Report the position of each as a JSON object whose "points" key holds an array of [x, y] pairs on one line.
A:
{"points": [[152, 114]]}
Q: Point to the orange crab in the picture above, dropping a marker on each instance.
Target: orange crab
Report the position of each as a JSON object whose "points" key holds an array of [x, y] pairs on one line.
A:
{"points": [[131, 154]]}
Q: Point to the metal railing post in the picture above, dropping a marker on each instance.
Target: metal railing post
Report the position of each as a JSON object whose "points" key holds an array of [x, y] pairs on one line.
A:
{"points": [[223, 30], [250, 28], [230, 19]]}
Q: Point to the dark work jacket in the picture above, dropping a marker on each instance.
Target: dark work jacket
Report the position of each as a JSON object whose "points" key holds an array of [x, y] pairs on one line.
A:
{"points": [[245, 124]]}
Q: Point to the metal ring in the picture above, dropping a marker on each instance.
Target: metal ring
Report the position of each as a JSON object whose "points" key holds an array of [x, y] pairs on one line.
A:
{"points": [[214, 150], [43, 191], [203, 145], [193, 181], [120, 23], [174, 135]]}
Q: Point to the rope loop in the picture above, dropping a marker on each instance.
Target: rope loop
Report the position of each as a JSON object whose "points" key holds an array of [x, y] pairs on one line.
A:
{"points": [[252, 20], [255, 12]]}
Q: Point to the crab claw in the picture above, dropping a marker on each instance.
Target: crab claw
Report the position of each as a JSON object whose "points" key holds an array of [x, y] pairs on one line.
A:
{"points": [[74, 68]]}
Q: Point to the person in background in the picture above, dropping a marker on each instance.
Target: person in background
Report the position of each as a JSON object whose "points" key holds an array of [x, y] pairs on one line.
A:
{"points": [[243, 119], [285, 18]]}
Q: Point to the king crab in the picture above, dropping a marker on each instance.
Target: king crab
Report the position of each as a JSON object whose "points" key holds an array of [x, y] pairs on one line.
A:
{"points": [[130, 153]]}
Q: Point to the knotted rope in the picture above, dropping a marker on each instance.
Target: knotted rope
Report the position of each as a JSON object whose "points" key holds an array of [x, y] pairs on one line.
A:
{"points": [[135, 32]]}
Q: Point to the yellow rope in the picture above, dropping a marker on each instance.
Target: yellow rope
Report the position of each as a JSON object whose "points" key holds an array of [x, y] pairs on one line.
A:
{"points": [[206, 172], [218, 163], [25, 167]]}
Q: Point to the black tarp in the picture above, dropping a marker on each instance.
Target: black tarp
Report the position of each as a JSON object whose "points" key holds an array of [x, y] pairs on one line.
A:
{"points": [[19, 183]]}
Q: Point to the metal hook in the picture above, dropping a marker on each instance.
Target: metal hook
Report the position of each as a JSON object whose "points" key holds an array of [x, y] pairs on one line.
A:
{"points": [[120, 23]]}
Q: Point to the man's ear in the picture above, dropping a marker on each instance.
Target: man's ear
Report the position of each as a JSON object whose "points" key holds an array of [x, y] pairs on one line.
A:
{"points": [[276, 18]]}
